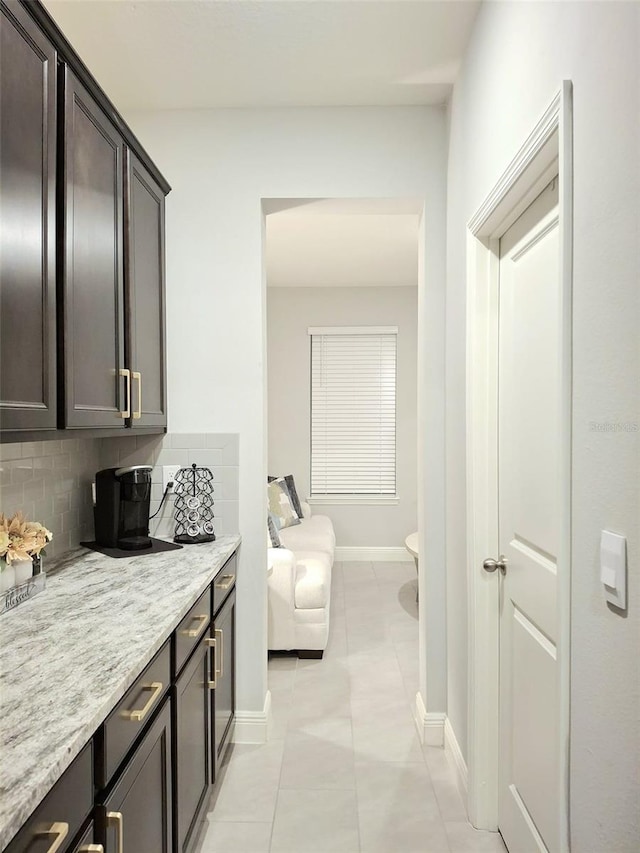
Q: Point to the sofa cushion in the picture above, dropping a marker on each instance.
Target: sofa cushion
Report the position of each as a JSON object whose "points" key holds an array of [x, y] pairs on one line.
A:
{"points": [[313, 534], [313, 579]]}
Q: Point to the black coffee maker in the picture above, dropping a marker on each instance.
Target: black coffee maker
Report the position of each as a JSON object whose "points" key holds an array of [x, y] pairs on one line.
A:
{"points": [[121, 512]]}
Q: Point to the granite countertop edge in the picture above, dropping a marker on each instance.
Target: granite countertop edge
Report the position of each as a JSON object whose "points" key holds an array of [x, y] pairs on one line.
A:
{"points": [[37, 621]]}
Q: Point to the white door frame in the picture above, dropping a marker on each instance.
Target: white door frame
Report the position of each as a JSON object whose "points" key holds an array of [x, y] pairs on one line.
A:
{"points": [[546, 152]]}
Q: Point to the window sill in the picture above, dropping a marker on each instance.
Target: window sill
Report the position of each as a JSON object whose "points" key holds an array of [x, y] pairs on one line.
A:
{"points": [[353, 500]]}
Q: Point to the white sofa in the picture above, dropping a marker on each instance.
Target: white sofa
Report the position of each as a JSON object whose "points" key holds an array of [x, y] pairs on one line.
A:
{"points": [[300, 586]]}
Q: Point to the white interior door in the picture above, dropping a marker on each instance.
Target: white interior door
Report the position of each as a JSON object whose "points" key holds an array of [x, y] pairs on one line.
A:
{"points": [[529, 530]]}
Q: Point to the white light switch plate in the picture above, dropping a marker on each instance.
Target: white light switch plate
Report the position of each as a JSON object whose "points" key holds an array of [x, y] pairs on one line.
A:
{"points": [[613, 568]]}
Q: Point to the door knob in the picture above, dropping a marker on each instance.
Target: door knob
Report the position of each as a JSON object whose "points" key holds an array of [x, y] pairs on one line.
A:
{"points": [[490, 565]]}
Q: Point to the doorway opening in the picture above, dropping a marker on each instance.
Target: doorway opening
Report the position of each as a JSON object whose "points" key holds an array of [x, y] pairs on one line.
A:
{"points": [[334, 263]]}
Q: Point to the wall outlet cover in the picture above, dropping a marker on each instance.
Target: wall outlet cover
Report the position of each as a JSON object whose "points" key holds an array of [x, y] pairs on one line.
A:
{"points": [[169, 475]]}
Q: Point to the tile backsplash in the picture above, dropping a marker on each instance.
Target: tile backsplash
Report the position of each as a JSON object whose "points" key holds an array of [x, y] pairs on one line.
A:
{"points": [[50, 481], [217, 451]]}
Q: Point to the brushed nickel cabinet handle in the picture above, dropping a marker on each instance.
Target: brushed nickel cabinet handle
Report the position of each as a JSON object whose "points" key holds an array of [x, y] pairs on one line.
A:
{"points": [[218, 633], [124, 371], [225, 581], [140, 713], [195, 632], [138, 412], [211, 642], [60, 829], [91, 848], [116, 818]]}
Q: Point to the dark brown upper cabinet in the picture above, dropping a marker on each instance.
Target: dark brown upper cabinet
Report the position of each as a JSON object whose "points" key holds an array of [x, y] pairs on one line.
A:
{"points": [[97, 386], [144, 291], [82, 304], [28, 212]]}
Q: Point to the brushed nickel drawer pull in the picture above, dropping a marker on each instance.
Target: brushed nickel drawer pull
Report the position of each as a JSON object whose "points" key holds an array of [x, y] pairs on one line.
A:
{"points": [[225, 581], [116, 817], [211, 642], [91, 848], [195, 632], [220, 672], [60, 829], [138, 412], [124, 371], [139, 714]]}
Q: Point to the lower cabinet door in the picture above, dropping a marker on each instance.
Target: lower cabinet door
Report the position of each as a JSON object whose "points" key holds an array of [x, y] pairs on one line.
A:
{"points": [[193, 749], [224, 695], [136, 817]]}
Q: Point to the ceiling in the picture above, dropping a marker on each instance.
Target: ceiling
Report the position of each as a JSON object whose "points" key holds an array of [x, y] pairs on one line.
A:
{"points": [[201, 54], [204, 54], [342, 242]]}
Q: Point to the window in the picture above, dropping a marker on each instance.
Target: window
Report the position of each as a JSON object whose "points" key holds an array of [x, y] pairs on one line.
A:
{"points": [[353, 411]]}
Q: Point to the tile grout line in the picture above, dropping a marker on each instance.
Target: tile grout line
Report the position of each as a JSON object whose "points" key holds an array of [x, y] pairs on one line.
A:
{"points": [[353, 747], [284, 747]]}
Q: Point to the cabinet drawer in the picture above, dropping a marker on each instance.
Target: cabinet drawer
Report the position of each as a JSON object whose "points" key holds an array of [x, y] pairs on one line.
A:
{"points": [[131, 715], [224, 582], [62, 812], [192, 628]]}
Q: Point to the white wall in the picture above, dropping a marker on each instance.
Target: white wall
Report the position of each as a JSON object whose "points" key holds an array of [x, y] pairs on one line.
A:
{"points": [[221, 164], [290, 311], [518, 55]]}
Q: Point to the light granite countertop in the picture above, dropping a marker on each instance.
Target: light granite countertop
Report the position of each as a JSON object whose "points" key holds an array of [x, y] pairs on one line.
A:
{"points": [[68, 655]]}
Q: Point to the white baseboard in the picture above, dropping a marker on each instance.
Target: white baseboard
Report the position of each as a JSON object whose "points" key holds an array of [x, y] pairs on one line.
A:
{"points": [[363, 554], [430, 724], [436, 730], [454, 753], [253, 726]]}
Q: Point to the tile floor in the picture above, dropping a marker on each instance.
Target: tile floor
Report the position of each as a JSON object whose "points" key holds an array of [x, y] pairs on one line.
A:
{"points": [[344, 770]]}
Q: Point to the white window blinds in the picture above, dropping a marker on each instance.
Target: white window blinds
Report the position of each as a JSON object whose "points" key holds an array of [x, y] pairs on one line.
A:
{"points": [[353, 411]]}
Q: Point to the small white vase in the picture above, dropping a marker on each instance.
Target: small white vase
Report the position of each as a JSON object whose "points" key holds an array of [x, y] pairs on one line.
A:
{"points": [[7, 578], [23, 570]]}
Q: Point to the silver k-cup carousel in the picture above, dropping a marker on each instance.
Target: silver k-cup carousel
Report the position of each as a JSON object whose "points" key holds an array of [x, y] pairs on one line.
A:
{"points": [[193, 505]]}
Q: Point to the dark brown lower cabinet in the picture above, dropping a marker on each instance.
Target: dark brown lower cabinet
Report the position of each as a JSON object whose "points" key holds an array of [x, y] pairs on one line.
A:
{"points": [[60, 816], [192, 747], [223, 697], [143, 783], [137, 814]]}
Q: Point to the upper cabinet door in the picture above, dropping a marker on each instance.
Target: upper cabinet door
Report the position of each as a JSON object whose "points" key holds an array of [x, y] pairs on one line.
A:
{"points": [[97, 387], [145, 290], [27, 228]]}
